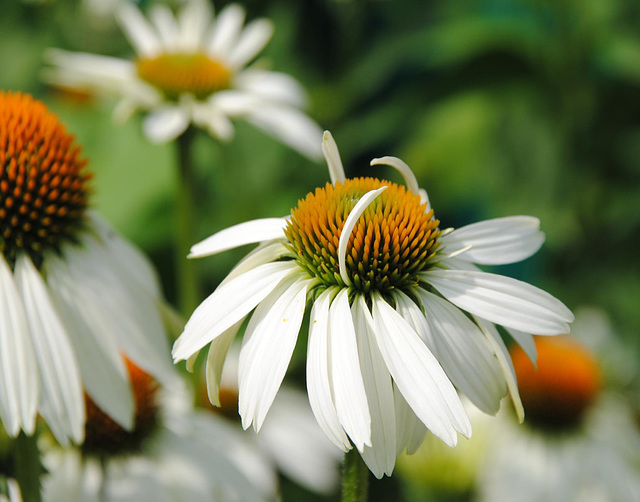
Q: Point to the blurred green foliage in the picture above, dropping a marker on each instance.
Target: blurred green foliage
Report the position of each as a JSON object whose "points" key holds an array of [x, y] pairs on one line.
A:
{"points": [[500, 106]]}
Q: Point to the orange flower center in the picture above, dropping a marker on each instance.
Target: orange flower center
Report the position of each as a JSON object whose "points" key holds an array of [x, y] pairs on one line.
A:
{"points": [[104, 437], [392, 241], [566, 383], [43, 183], [178, 73]]}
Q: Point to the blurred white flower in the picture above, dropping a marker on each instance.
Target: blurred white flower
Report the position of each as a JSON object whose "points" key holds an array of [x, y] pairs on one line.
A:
{"points": [[74, 296], [388, 336], [172, 454], [580, 441], [290, 440], [190, 69]]}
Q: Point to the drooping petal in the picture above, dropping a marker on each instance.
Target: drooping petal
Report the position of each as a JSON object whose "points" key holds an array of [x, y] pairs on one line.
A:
{"points": [[289, 126], [464, 353], [18, 372], [503, 357], [403, 168], [410, 431], [103, 372], [348, 227], [318, 373], [215, 361], [249, 232], [527, 343], [227, 305], [127, 311], [267, 348], [502, 300], [411, 313], [381, 456], [252, 40], [62, 394], [139, 32], [348, 386], [434, 400], [226, 30], [332, 156], [166, 123], [497, 241]]}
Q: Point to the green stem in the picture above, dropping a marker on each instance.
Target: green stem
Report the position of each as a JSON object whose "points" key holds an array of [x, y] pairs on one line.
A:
{"points": [[186, 277], [355, 477], [27, 467]]}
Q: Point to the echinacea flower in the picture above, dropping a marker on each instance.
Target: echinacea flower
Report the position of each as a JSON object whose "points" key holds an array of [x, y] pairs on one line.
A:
{"points": [[190, 69], [74, 295], [388, 335], [170, 454], [580, 440], [290, 440]]}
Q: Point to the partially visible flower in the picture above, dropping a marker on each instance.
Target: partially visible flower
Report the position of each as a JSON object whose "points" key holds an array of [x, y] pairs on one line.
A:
{"points": [[290, 440], [12, 493], [388, 338], [74, 295], [166, 456], [579, 442], [189, 70]]}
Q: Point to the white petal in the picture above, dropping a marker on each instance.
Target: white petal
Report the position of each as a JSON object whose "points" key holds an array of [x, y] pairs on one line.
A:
{"points": [[138, 31], [253, 39], [289, 126], [18, 372], [348, 387], [332, 156], [193, 21], [265, 253], [210, 117], [226, 30], [403, 168], [249, 232], [166, 124], [267, 348], [318, 376], [526, 342], [418, 375], [62, 392], [410, 431], [502, 300], [227, 305], [416, 319], [165, 25], [497, 241], [502, 354], [381, 456], [348, 227], [103, 371], [464, 353], [272, 86], [215, 361], [127, 310]]}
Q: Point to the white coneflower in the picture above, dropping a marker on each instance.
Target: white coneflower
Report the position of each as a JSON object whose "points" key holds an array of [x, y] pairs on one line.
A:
{"points": [[580, 440], [190, 69], [388, 336], [74, 295], [171, 454]]}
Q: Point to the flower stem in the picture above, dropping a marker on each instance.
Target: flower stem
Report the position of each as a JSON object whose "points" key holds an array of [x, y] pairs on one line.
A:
{"points": [[27, 467], [186, 277], [355, 477]]}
